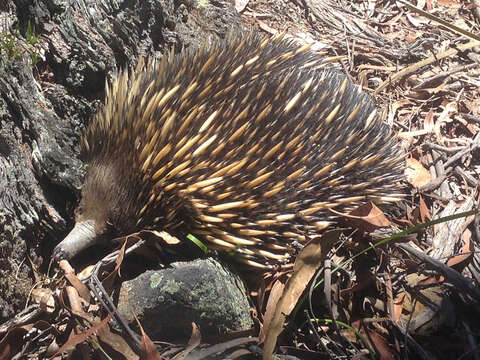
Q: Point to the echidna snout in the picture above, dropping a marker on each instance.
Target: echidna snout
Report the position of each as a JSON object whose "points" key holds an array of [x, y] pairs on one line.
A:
{"points": [[247, 143], [102, 213]]}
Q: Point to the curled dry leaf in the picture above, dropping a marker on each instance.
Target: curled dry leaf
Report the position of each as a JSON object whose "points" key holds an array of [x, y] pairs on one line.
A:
{"points": [[429, 123], [76, 339], [445, 117], [194, 342], [426, 307]]}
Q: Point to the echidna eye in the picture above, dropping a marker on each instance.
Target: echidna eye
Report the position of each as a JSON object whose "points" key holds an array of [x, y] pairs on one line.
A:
{"points": [[79, 209], [110, 229]]}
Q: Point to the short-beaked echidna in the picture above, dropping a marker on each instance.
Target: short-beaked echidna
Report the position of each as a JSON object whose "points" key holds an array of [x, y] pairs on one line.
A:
{"points": [[246, 143]]}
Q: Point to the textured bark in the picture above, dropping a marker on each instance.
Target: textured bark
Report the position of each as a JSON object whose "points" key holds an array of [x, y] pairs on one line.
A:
{"points": [[45, 106]]}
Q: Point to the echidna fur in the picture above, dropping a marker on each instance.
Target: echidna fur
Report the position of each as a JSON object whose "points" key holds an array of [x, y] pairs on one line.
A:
{"points": [[247, 143]]}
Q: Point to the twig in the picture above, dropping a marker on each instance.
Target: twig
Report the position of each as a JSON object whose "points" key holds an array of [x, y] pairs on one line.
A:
{"points": [[463, 285], [446, 24], [412, 68], [475, 144], [433, 185], [446, 149], [468, 178]]}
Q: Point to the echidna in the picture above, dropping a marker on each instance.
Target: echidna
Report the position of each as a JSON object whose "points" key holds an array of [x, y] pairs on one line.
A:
{"points": [[246, 143]]}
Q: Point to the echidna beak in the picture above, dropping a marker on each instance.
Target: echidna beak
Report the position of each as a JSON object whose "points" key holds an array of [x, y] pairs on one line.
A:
{"points": [[81, 237]]}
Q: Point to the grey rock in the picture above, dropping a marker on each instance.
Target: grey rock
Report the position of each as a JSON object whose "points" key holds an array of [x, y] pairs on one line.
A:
{"points": [[167, 301]]}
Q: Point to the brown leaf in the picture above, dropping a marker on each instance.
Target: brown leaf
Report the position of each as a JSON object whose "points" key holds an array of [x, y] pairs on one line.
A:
{"points": [[385, 351], [109, 280], [80, 338], [5, 352], [44, 297], [424, 212], [75, 302], [357, 286], [275, 294], [12, 342], [116, 342], [414, 133], [449, 3], [367, 217], [428, 123], [445, 117], [74, 280], [147, 347], [166, 237], [466, 252], [416, 174], [398, 306], [421, 304], [307, 263], [265, 27]]}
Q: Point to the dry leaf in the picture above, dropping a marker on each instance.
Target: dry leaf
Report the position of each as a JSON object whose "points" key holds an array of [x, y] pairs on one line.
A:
{"points": [[275, 294], [445, 117], [416, 174], [466, 252], [384, 349], [424, 212], [426, 308], [449, 3], [74, 280], [265, 27], [12, 342], [116, 342], [193, 343], [307, 263], [80, 338], [147, 346], [428, 123], [240, 5], [368, 217], [410, 134], [44, 297], [168, 238]]}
